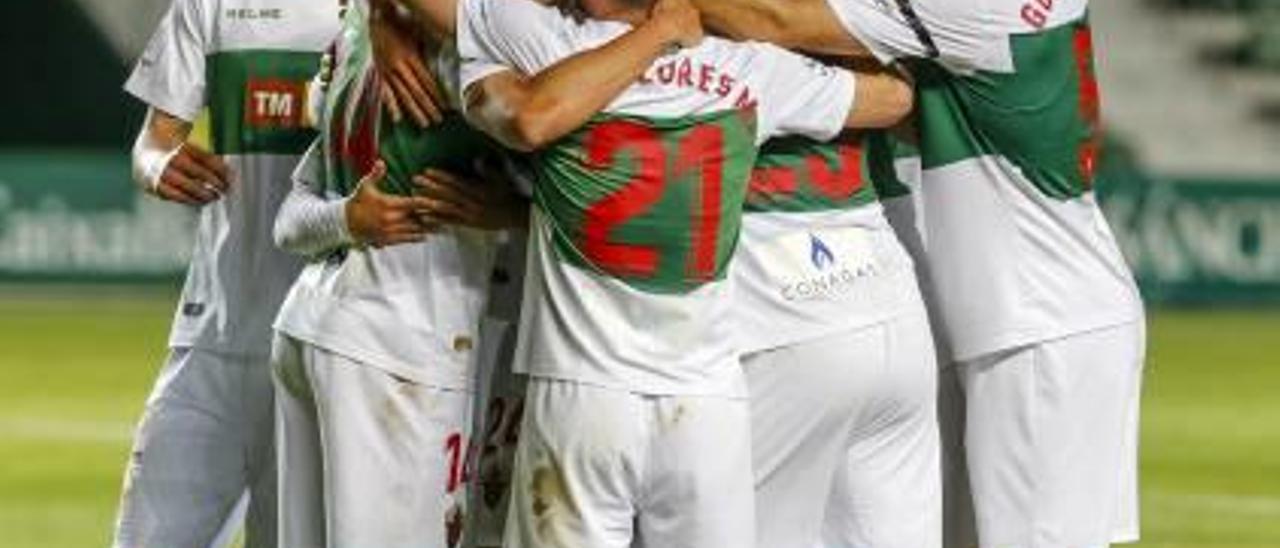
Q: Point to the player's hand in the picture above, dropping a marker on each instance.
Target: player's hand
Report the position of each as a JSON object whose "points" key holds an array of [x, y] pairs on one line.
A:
{"points": [[407, 85], [193, 177], [378, 219], [680, 20], [486, 203]]}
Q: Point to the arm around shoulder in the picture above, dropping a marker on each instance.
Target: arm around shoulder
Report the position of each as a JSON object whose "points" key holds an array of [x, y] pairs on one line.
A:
{"points": [[881, 99]]}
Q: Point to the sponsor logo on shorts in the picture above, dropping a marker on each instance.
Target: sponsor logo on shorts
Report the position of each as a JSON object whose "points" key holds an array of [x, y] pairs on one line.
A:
{"points": [[192, 309]]}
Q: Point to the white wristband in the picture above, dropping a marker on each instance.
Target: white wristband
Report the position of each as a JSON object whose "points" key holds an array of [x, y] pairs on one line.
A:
{"points": [[151, 166]]}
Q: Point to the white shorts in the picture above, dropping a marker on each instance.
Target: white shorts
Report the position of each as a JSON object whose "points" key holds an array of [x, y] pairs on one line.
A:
{"points": [[366, 458], [604, 468], [205, 437], [1051, 440], [845, 439], [500, 406], [959, 529]]}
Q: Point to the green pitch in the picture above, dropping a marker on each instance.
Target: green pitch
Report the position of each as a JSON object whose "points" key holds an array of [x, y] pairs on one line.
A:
{"points": [[75, 367]]}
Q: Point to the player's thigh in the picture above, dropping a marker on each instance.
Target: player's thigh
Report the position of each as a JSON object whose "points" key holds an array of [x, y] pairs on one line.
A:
{"points": [[257, 399], [698, 490], [804, 400], [1047, 437], [186, 471], [887, 494], [958, 527], [300, 508], [393, 454], [1126, 528], [579, 467]]}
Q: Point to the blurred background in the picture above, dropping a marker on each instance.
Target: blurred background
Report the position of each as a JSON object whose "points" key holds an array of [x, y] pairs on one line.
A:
{"points": [[90, 268]]}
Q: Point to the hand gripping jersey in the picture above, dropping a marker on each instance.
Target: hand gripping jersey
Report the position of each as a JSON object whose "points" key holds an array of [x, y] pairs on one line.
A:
{"points": [[817, 255], [1008, 112], [411, 309], [638, 211], [248, 61]]}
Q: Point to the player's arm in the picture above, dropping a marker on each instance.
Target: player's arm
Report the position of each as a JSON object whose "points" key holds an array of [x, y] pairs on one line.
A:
{"points": [[807, 25], [166, 165], [883, 97], [170, 79], [309, 224], [488, 202], [408, 86], [529, 112], [437, 19], [804, 97]]}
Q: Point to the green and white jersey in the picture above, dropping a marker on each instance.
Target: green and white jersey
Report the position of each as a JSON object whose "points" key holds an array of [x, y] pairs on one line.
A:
{"points": [[817, 255], [412, 309], [638, 213], [248, 61], [1018, 249]]}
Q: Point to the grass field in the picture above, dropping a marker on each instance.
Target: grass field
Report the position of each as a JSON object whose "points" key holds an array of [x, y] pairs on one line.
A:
{"points": [[75, 369]]}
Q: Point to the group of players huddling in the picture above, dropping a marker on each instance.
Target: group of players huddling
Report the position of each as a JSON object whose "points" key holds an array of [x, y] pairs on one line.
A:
{"points": [[572, 274]]}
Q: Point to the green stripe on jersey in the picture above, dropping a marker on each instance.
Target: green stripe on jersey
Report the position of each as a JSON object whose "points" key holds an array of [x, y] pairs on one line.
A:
{"points": [[257, 99], [655, 203], [1043, 117], [882, 151], [798, 174], [450, 145]]}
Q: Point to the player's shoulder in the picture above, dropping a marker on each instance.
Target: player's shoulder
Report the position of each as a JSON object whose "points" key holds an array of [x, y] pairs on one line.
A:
{"points": [[725, 48], [755, 60]]}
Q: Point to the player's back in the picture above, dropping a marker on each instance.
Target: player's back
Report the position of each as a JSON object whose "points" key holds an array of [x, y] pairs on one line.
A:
{"points": [[638, 212], [411, 308], [817, 255], [1008, 111]]}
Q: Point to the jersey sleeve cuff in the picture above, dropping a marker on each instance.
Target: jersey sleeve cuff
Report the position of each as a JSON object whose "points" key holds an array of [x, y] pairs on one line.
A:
{"points": [[150, 93], [847, 85]]}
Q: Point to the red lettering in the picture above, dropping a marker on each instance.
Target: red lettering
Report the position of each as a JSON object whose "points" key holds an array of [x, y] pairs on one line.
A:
{"points": [[705, 74], [457, 462], [684, 76], [667, 72], [769, 181], [841, 182], [726, 85], [640, 193], [1033, 16], [702, 150], [744, 101]]}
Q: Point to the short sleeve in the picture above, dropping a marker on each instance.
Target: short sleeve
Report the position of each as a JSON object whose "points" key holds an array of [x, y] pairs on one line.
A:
{"points": [[879, 27], [497, 35], [802, 96], [170, 75]]}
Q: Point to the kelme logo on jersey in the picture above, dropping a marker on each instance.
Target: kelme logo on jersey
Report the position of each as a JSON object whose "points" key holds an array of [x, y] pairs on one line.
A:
{"points": [[274, 103]]}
